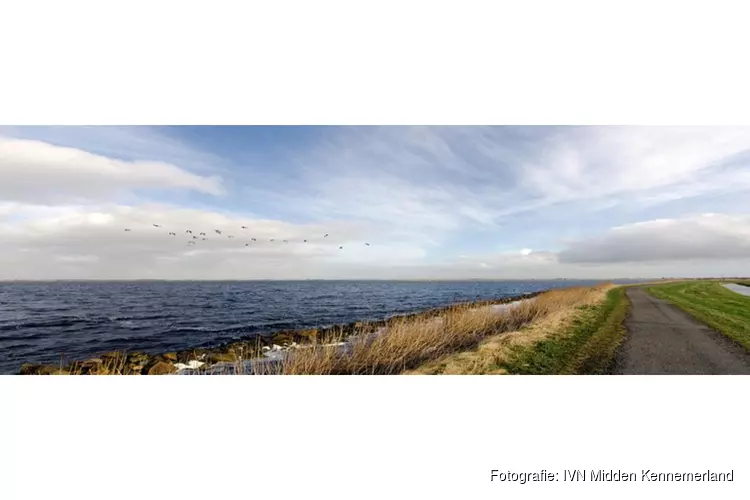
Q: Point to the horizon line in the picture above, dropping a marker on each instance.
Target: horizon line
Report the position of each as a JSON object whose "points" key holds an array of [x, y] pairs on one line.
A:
{"points": [[43, 280]]}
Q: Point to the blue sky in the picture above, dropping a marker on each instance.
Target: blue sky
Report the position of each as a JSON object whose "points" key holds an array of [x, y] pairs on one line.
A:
{"points": [[454, 202]]}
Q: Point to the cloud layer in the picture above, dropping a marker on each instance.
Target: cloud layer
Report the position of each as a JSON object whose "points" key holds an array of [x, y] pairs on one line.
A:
{"points": [[709, 236], [92, 242], [434, 202]]}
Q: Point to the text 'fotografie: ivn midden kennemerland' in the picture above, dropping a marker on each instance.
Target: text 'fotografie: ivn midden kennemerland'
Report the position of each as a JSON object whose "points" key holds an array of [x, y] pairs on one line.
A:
{"points": [[603, 475]]}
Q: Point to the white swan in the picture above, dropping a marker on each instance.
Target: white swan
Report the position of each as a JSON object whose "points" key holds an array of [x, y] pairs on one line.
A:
{"points": [[193, 364]]}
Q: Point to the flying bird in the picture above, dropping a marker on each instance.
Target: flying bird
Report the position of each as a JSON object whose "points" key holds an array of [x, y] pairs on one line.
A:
{"points": [[204, 239], [230, 236], [286, 241], [247, 244], [217, 231], [305, 241], [253, 239], [271, 239], [195, 237], [127, 230], [172, 234], [203, 234], [325, 235], [244, 227], [188, 231], [341, 248], [367, 244], [157, 225]]}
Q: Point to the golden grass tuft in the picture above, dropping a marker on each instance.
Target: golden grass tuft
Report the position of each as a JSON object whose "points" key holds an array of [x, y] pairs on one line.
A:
{"points": [[409, 343]]}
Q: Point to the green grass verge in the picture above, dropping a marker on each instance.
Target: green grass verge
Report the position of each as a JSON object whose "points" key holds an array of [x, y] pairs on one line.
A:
{"points": [[723, 310], [587, 347]]}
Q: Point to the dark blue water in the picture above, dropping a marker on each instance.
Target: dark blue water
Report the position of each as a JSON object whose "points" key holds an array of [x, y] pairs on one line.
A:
{"points": [[41, 322]]}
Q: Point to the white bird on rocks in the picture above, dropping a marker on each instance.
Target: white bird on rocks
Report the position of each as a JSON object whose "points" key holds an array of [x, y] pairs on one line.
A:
{"points": [[193, 364], [274, 352]]}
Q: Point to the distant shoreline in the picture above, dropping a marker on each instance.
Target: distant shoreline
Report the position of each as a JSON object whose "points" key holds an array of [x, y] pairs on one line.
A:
{"points": [[405, 280]]}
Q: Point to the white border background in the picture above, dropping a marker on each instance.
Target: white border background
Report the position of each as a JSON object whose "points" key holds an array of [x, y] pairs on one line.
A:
{"points": [[376, 62]]}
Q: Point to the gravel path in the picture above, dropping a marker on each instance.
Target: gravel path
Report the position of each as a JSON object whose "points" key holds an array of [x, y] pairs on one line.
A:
{"points": [[663, 339]]}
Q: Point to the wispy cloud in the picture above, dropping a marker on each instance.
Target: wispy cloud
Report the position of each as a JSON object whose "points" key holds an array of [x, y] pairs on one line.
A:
{"points": [[481, 174]]}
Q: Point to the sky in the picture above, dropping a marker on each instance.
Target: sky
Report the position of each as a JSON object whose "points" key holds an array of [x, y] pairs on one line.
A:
{"points": [[433, 202]]}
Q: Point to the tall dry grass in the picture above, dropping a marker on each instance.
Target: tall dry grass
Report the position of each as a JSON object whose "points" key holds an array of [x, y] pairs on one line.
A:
{"points": [[492, 353], [408, 343]]}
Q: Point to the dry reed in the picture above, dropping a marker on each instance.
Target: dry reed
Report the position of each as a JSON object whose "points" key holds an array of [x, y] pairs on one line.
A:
{"points": [[409, 343]]}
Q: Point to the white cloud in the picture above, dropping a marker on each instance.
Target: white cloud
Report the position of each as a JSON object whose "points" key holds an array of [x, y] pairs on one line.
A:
{"points": [[122, 142], [37, 172], [707, 237]]}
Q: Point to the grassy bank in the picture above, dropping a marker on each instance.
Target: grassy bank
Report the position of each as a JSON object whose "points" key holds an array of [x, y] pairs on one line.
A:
{"points": [[711, 303], [577, 337], [587, 345], [415, 346]]}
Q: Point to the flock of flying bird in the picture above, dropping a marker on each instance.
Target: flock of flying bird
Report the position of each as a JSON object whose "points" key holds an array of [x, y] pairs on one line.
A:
{"points": [[203, 236]]}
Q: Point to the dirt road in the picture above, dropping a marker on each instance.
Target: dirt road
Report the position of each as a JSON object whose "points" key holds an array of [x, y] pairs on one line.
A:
{"points": [[663, 339]]}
